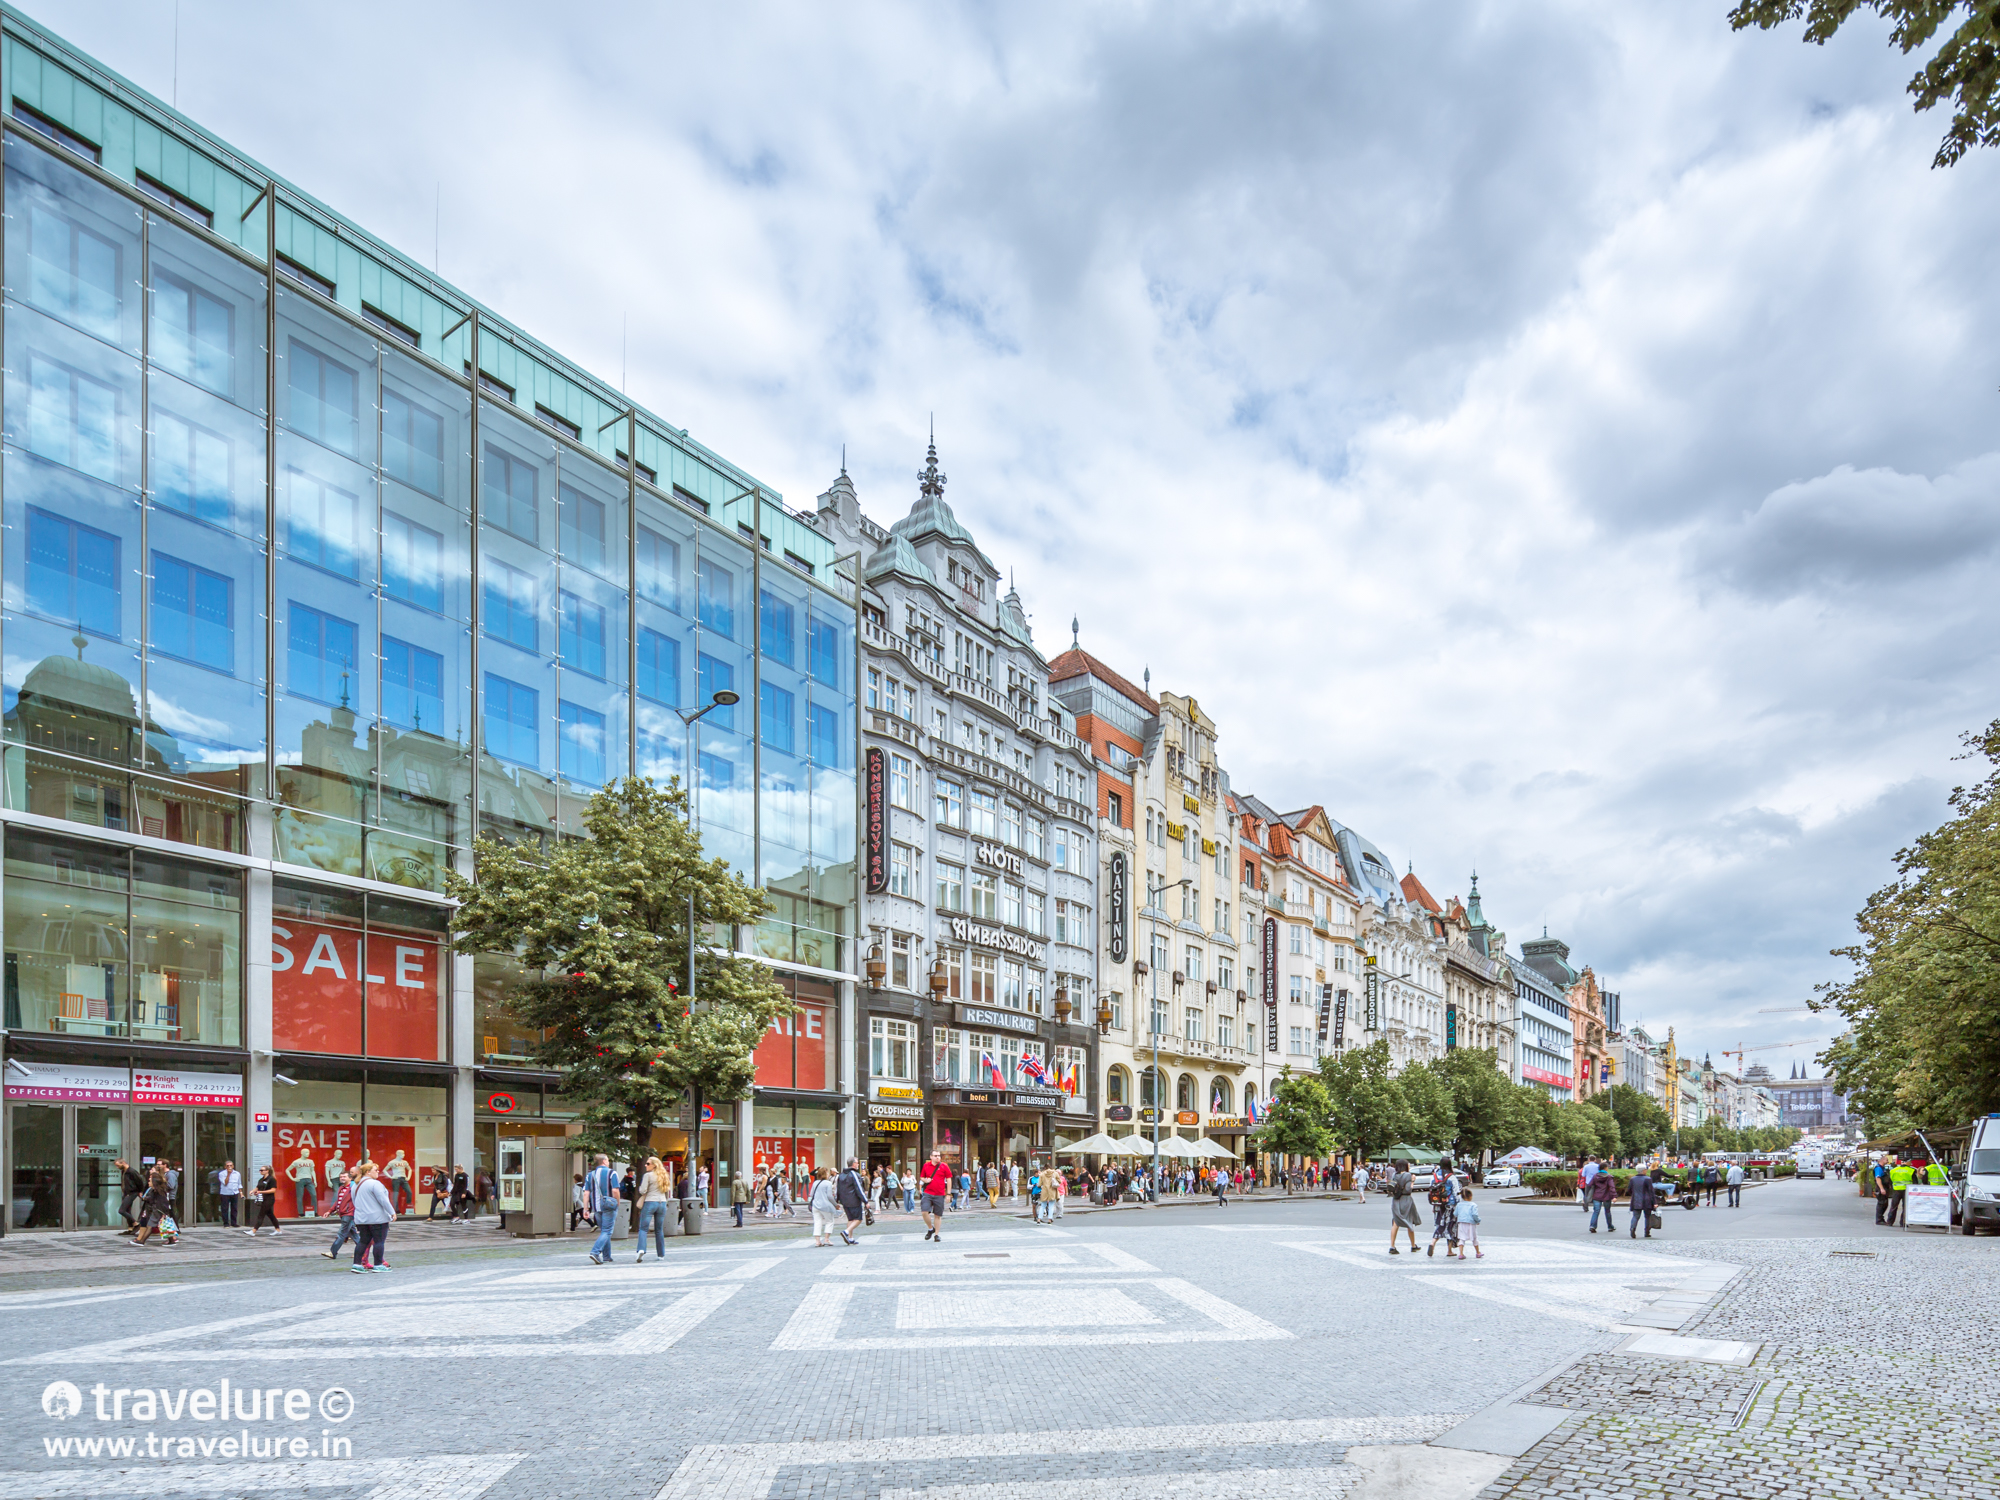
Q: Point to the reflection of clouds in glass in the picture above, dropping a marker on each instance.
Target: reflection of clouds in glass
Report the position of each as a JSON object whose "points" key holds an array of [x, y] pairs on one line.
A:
{"points": [[184, 725]]}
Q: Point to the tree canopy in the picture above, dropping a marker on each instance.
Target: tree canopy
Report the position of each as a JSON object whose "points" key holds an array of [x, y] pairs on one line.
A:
{"points": [[601, 924], [1966, 69], [1298, 1120], [1923, 1005]]}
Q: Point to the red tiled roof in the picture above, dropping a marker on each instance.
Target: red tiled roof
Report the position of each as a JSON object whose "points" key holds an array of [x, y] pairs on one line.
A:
{"points": [[1076, 663], [1416, 895]]}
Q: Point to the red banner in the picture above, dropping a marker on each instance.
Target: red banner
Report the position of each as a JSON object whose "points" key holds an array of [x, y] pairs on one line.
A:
{"points": [[768, 1151], [794, 1052], [322, 978]]}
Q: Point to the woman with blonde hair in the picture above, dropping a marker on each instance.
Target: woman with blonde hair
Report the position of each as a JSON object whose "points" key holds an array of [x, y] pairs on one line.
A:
{"points": [[656, 1186], [373, 1212], [825, 1206]]}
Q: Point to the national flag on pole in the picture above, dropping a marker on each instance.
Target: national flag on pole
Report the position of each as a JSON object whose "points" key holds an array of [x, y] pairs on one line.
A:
{"points": [[1071, 1082], [1031, 1067], [1256, 1114], [993, 1073]]}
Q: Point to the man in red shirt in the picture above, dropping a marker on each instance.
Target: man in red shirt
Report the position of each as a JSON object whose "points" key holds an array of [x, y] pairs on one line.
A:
{"points": [[937, 1187]]}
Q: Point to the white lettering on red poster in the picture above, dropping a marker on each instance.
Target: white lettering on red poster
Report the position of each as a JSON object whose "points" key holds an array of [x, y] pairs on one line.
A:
{"points": [[793, 1053], [322, 978]]}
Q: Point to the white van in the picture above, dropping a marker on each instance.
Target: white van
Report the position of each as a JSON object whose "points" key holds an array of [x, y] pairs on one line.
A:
{"points": [[1809, 1160], [1976, 1184]]}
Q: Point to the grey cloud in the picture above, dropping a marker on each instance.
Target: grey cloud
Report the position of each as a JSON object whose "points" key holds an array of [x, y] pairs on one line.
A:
{"points": [[1858, 528]]}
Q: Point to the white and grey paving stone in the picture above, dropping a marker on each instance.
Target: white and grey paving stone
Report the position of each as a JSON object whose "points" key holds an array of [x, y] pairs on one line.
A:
{"points": [[1274, 1353]]}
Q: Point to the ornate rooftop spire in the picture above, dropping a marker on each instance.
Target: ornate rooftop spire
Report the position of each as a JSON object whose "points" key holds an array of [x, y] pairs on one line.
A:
{"points": [[930, 481], [1075, 630]]}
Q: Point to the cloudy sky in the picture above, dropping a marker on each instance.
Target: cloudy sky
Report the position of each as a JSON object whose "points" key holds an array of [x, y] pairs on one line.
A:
{"points": [[1560, 439]]}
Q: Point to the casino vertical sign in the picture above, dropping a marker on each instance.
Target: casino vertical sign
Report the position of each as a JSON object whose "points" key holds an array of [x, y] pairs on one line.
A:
{"points": [[1115, 912], [878, 825], [1270, 984]]}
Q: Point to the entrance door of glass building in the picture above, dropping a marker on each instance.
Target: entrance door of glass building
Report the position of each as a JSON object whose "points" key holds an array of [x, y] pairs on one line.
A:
{"points": [[62, 1171]]}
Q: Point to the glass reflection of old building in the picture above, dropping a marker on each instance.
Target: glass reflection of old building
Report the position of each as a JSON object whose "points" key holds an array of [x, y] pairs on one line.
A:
{"points": [[314, 571]]}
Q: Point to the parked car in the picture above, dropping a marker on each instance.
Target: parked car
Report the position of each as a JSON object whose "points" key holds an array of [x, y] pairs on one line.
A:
{"points": [[1501, 1177]]}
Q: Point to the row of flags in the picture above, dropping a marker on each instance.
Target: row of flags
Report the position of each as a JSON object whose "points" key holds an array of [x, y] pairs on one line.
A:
{"points": [[1067, 1076]]}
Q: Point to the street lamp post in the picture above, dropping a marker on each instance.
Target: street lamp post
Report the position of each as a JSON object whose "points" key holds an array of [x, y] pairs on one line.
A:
{"points": [[690, 1176], [1159, 1108]]}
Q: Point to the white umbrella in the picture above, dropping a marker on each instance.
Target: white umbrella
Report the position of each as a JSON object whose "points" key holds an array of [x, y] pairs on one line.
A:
{"points": [[1173, 1145], [1527, 1156], [1094, 1145], [1214, 1149]]}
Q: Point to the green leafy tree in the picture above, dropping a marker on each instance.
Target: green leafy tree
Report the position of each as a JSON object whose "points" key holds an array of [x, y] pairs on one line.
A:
{"points": [[1482, 1103], [1369, 1110], [1923, 1005], [1529, 1119], [1298, 1121], [1433, 1117], [1578, 1130], [1642, 1123], [1966, 69], [601, 925]]}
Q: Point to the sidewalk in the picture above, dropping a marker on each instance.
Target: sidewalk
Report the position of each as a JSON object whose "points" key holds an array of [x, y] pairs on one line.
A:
{"points": [[32, 1251]]}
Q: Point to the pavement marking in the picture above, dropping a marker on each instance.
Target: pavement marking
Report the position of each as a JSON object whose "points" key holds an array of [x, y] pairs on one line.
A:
{"points": [[73, 1296], [746, 1471], [628, 1276], [659, 1332], [815, 1324], [543, 1318], [448, 1477], [1266, 1484], [1018, 1307], [1052, 1259]]}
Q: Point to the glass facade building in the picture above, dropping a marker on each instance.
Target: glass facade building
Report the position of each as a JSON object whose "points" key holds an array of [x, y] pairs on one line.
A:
{"points": [[315, 570]]}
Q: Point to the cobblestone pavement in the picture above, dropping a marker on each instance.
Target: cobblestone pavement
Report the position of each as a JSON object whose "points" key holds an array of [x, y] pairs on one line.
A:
{"points": [[1275, 1352], [1876, 1375]]}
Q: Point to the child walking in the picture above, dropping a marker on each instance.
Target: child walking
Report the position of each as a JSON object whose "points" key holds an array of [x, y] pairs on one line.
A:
{"points": [[1468, 1224]]}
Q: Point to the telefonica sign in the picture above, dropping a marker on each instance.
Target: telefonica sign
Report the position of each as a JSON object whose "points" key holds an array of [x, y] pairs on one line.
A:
{"points": [[965, 930]]}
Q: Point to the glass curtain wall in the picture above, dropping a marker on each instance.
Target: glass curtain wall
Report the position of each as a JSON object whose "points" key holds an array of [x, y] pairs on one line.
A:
{"points": [[134, 475], [373, 589]]}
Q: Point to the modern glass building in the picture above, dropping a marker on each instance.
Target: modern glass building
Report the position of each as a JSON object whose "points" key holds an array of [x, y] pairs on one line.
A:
{"points": [[315, 569]]}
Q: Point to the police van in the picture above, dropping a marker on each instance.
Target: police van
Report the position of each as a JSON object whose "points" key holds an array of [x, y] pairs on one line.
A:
{"points": [[1976, 1184]]}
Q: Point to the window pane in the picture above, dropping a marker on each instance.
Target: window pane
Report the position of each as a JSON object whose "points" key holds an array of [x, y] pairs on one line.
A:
{"points": [[73, 247], [207, 317]]}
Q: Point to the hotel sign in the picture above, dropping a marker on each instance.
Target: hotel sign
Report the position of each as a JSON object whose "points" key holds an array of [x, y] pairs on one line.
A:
{"points": [[878, 825], [997, 857], [965, 930], [1115, 908]]}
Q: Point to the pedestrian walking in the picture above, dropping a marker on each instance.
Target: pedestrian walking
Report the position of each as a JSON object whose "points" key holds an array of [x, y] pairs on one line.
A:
{"points": [[1881, 1174], [265, 1191], [1714, 1183], [441, 1195], [1045, 1196], [1643, 1199], [373, 1211], [852, 1193], [1468, 1225], [601, 1187], [1736, 1184], [938, 1181], [461, 1196], [1603, 1192], [1220, 1182], [343, 1207], [992, 1186], [653, 1188], [1404, 1216], [1444, 1209], [739, 1197], [824, 1202], [152, 1206], [131, 1188], [1361, 1179]]}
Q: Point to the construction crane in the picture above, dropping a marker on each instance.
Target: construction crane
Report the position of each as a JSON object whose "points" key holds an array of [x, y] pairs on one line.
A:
{"points": [[1737, 1052]]}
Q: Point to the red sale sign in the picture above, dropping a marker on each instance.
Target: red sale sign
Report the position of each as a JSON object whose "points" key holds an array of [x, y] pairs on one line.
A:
{"points": [[794, 1053], [324, 979]]}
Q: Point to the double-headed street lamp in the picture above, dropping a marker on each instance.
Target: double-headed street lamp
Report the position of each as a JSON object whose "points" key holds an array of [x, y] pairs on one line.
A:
{"points": [[696, 1008]]}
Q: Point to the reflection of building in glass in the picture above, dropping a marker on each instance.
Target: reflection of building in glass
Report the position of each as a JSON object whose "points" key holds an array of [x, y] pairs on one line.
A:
{"points": [[315, 571]]}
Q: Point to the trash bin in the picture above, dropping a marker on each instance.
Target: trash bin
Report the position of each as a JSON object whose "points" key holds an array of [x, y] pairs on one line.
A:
{"points": [[673, 1216], [692, 1210]]}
